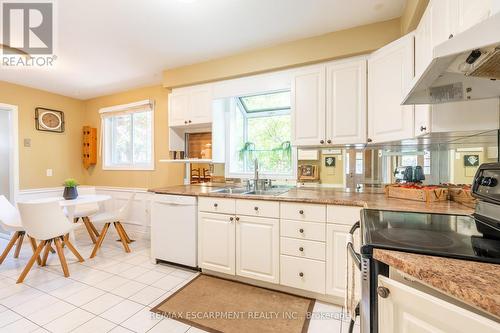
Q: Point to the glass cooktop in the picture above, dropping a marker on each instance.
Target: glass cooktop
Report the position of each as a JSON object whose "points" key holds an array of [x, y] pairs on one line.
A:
{"points": [[454, 236]]}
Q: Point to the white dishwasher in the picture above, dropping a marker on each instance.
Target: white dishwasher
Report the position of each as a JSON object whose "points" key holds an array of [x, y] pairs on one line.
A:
{"points": [[174, 229]]}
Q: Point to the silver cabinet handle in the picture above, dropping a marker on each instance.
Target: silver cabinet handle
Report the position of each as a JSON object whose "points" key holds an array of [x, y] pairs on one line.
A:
{"points": [[301, 249], [301, 231], [383, 292], [231, 219], [301, 274]]}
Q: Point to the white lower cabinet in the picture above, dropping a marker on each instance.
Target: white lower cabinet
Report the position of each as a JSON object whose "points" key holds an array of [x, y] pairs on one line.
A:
{"points": [[303, 273], [216, 242], [257, 248], [336, 259], [407, 309]]}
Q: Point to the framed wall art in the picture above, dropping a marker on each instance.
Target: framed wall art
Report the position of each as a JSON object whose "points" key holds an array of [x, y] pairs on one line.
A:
{"points": [[49, 120]]}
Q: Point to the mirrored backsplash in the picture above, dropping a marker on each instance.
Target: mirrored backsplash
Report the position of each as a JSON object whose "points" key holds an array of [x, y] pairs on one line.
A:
{"points": [[437, 160]]}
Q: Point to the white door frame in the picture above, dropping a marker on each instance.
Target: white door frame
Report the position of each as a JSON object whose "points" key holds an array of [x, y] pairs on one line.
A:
{"points": [[14, 152]]}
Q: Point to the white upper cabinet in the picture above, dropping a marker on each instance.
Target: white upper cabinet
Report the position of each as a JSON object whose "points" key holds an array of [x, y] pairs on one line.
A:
{"points": [[308, 106], [390, 72], [467, 13], [346, 101], [190, 106], [407, 309], [329, 103]]}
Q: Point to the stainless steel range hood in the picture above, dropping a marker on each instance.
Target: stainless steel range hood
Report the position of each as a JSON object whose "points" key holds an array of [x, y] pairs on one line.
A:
{"points": [[463, 68]]}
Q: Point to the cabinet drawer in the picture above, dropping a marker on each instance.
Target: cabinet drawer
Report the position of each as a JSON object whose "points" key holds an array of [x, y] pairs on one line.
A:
{"points": [[303, 230], [303, 212], [216, 205], [302, 273], [258, 208], [343, 214], [303, 248]]}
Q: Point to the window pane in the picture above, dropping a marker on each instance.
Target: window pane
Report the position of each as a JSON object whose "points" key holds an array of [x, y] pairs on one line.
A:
{"points": [[266, 102], [121, 140], [271, 137], [142, 138]]}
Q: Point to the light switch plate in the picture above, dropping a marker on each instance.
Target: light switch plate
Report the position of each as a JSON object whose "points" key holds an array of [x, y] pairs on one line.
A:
{"points": [[49, 173], [27, 142]]}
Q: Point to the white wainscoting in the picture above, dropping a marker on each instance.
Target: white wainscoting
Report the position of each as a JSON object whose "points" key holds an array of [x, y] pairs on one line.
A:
{"points": [[139, 217]]}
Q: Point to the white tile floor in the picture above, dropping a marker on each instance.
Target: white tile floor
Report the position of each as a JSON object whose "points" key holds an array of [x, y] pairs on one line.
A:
{"points": [[110, 293]]}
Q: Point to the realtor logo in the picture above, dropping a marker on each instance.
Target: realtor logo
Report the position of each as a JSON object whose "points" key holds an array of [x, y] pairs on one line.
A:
{"points": [[27, 27]]}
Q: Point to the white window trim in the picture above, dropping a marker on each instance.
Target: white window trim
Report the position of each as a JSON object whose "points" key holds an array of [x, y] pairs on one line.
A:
{"points": [[124, 109]]}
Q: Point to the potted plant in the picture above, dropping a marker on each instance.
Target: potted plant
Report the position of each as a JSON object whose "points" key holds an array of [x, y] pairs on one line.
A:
{"points": [[70, 191]]}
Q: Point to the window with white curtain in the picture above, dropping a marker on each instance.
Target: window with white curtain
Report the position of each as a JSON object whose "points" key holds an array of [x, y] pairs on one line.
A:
{"points": [[127, 136]]}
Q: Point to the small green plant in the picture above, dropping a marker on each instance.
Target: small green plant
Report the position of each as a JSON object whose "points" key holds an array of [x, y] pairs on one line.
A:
{"points": [[70, 182]]}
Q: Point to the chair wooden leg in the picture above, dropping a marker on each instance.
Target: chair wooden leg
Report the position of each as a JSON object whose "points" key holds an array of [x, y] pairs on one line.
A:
{"points": [[89, 229], [122, 237], [62, 258], [72, 249], [75, 219], [100, 240], [33, 246], [9, 246], [19, 244], [46, 252], [92, 226], [127, 238], [31, 262]]}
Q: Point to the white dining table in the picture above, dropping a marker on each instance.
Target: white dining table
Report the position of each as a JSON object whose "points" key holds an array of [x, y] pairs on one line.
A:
{"points": [[71, 205]]}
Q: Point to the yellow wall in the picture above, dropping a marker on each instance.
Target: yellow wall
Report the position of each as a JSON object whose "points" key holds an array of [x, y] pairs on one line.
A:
{"points": [[412, 14], [334, 45], [57, 151], [164, 174]]}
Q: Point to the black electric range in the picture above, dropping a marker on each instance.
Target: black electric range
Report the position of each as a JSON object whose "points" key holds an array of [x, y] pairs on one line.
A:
{"points": [[475, 237], [453, 236]]}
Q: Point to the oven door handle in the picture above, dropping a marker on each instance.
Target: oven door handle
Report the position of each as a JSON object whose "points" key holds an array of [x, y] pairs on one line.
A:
{"points": [[350, 245]]}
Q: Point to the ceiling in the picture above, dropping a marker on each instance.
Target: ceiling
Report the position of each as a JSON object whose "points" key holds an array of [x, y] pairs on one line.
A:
{"points": [[108, 46]]}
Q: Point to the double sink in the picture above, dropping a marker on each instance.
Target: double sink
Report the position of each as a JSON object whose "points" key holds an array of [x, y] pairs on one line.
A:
{"points": [[274, 190]]}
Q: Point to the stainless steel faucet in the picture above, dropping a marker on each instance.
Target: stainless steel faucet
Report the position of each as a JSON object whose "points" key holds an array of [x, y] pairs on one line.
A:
{"points": [[256, 174]]}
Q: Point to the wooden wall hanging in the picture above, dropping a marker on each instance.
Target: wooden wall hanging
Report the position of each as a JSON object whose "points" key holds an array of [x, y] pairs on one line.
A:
{"points": [[89, 146]]}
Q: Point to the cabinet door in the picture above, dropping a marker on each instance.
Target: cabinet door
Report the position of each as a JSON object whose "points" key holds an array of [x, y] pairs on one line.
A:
{"points": [[346, 102], [179, 108], [308, 106], [468, 13], [257, 248], [336, 259], [407, 309], [216, 241], [200, 105], [390, 72]]}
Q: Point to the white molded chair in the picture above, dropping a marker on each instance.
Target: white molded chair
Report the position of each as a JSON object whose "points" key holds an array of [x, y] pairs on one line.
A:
{"points": [[84, 211], [10, 220], [115, 217], [46, 222]]}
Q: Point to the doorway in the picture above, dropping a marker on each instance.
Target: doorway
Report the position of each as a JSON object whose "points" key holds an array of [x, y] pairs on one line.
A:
{"points": [[9, 168]]}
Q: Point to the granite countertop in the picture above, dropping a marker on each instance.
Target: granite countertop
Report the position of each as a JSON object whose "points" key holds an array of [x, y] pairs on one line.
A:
{"points": [[474, 283], [369, 199]]}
